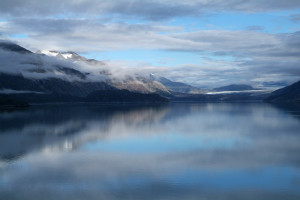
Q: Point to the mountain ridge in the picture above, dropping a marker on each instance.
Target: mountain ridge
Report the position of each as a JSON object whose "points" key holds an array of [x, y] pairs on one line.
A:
{"points": [[289, 93], [9, 46], [32, 77], [66, 65], [62, 76]]}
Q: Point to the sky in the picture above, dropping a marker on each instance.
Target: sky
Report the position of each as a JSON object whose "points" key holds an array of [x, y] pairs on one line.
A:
{"points": [[205, 43]]}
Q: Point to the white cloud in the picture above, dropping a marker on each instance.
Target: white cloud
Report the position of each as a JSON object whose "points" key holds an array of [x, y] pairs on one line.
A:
{"points": [[81, 26], [147, 9]]}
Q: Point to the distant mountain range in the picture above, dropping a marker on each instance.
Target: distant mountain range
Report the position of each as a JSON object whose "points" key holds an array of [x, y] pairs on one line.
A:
{"points": [[62, 76], [38, 78], [137, 83], [52, 76]]}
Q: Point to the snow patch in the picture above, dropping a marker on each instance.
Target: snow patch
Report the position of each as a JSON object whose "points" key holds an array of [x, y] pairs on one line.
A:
{"points": [[49, 53], [67, 55]]}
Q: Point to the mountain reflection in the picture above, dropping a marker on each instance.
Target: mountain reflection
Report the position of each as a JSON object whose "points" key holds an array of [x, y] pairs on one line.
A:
{"points": [[176, 151], [65, 128]]}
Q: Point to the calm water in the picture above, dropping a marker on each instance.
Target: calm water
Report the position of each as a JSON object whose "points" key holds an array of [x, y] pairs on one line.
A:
{"points": [[177, 151]]}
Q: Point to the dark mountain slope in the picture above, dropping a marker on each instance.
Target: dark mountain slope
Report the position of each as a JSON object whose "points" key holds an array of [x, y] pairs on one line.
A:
{"points": [[290, 93], [51, 85], [13, 47]]}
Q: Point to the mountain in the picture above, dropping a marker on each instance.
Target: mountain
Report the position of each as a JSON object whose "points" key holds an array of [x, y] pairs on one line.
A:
{"points": [[176, 87], [8, 46], [53, 76], [61, 77], [290, 93], [51, 90], [141, 84], [234, 87], [69, 55], [21, 84], [135, 83], [19, 99], [156, 84]]}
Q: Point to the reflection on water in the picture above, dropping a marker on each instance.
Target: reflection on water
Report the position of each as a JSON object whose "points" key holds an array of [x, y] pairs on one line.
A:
{"points": [[177, 151]]}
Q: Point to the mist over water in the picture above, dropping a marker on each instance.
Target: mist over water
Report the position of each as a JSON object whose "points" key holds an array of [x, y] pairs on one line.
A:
{"points": [[176, 151]]}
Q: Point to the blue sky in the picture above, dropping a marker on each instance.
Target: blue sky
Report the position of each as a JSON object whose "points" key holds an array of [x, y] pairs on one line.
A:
{"points": [[229, 41], [270, 22]]}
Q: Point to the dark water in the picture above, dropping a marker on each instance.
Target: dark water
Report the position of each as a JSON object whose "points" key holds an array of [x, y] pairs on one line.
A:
{"points": [[177, 151]]}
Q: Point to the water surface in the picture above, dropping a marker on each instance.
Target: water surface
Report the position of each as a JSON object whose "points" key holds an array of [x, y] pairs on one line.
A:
{"points": [[176, 151]]}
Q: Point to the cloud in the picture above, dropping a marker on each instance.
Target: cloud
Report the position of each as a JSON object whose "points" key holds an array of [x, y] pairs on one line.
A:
{"points": [[295, 18], [148, 9], [98, 26], [254, 28], [90, 35], [252, 55]]}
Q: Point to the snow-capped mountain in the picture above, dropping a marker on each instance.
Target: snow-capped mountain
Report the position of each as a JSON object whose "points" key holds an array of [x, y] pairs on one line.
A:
{"points": [[67, 73], [71, 56], [52, 76], [136, 83], [63, 55]]}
